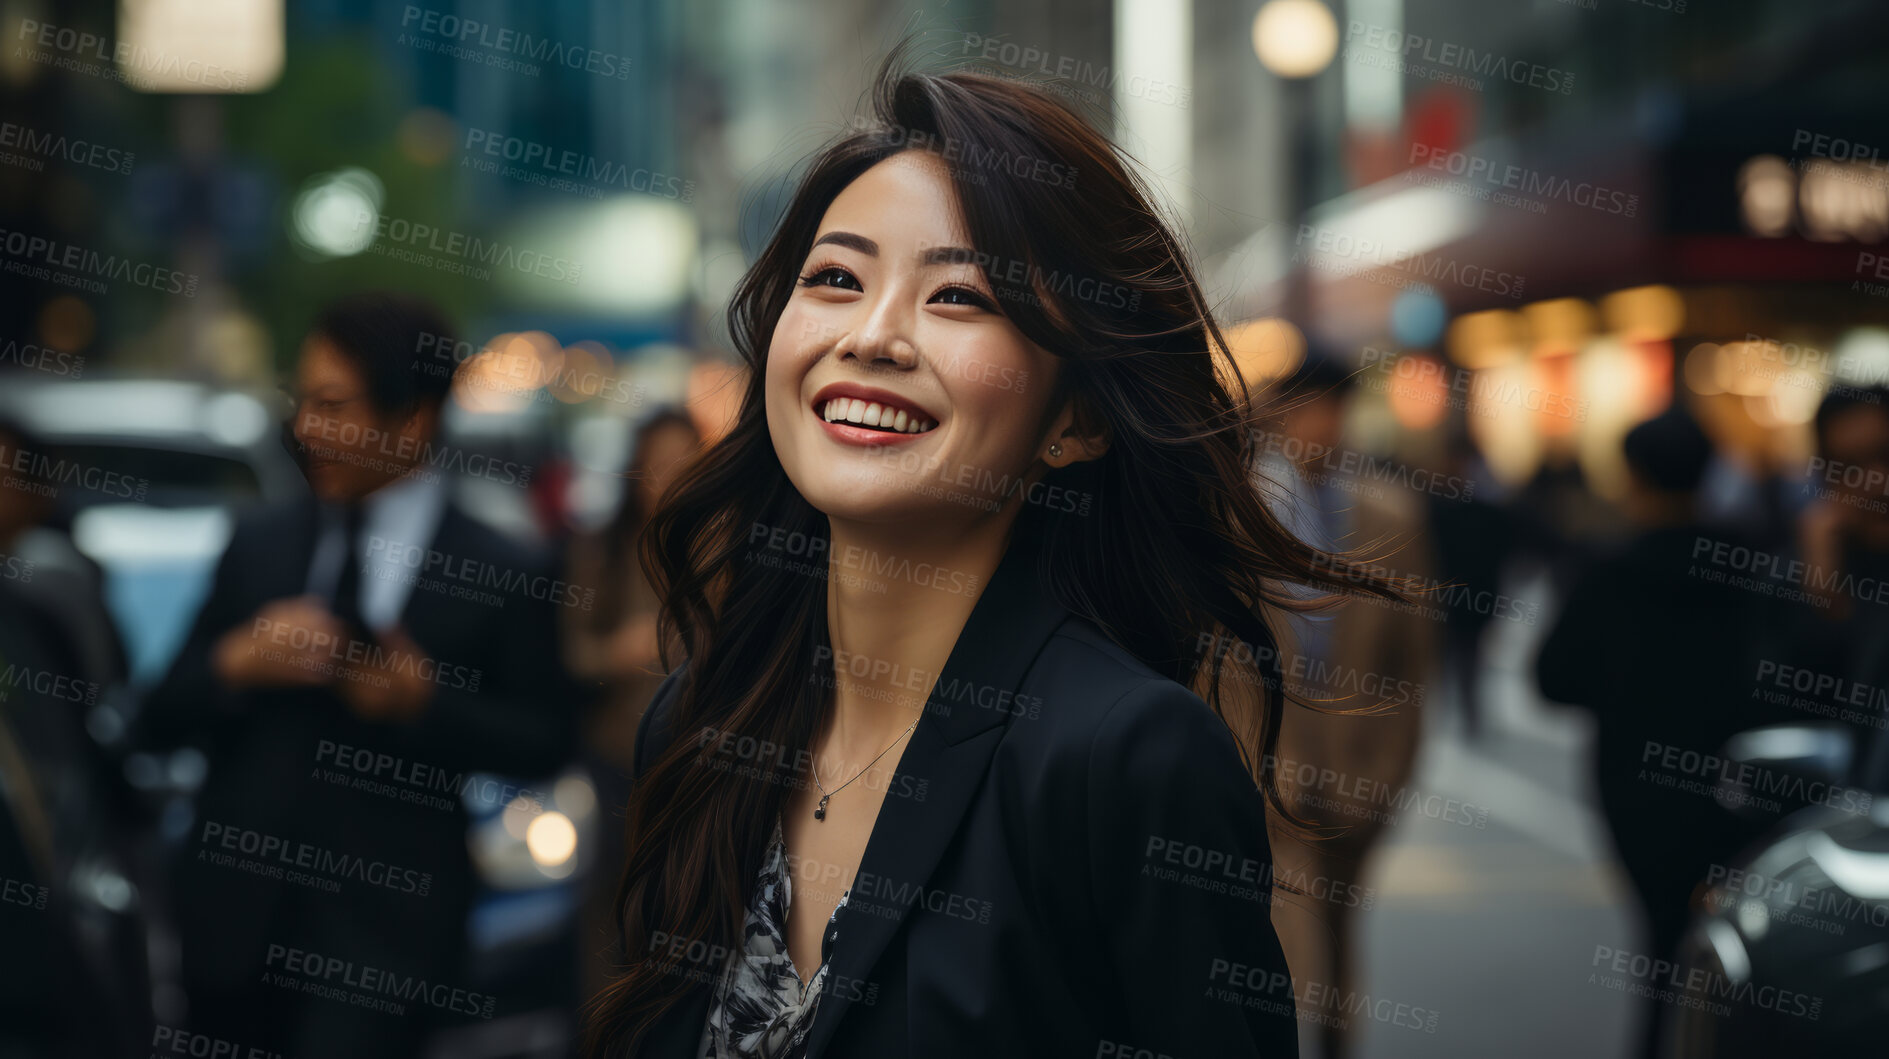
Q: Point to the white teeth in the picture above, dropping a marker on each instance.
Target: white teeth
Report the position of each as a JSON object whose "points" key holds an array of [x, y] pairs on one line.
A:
{"points": [[853, 410]]}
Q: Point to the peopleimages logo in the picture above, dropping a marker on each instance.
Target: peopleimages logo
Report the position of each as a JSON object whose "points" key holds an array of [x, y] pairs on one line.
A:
{"points": [[1319, 674], [537, 162], [353, 659], [16, 568], [766, 761], [446, 353], [1693, 771], [475, 573], [333, 978], [878, 895], [867, 561], [1253, 986], [1409, 48], [1794, 901], [459, 252], [44, 474], [942, 692], [56, 145], [976, 157], [1769, 573], [378, 772], [1527, 181], [168, 1040], [1694, 987], [42, 358], [117, 61], [1218, 871], [1356, 794], [302, 863], [22, 893], [1466, 389], [46, 683], [1341, 253], [72, 266], [1363, 466], [1822, 694], [1033, 60], [504, 43], [704, 959], [366, 446]]}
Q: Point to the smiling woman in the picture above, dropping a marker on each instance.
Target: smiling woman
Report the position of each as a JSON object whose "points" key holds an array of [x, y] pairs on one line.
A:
{"points": [[930, 781]]}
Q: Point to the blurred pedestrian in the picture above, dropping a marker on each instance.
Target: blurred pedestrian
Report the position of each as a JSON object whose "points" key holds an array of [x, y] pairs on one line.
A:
{"points": [[1659, 655], [1473, 538], [361, 656], [1559, 524], [614, 646], [1841, 630], [1372, 653]]}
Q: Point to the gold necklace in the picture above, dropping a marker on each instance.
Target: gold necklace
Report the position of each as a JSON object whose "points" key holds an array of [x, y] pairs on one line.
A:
{"points": [[819, 811]]}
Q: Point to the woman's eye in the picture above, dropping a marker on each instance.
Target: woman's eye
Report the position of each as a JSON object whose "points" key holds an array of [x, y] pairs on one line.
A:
{"points": [[831, 277], [961, 296]]}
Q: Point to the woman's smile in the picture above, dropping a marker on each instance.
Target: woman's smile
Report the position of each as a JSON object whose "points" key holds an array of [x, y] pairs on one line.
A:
{"points": [[853, 414]]}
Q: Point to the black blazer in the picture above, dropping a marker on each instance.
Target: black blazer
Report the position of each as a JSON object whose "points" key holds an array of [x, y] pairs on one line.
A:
{"points": [[1070, 861], [278, 767]]}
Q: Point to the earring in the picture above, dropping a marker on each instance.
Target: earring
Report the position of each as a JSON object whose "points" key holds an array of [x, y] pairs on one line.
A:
{"points": [[1055, 449]]}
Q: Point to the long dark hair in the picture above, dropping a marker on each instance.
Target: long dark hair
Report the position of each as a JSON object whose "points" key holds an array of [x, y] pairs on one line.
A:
{"points": [[1179, 549]]}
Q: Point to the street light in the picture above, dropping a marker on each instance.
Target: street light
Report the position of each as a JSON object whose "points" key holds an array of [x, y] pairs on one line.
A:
{"points": [[197, 52], [1295, 38]]}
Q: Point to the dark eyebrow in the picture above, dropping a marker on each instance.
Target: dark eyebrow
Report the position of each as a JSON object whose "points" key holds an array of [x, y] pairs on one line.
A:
{"points": [[937, 255], [850, 241]]}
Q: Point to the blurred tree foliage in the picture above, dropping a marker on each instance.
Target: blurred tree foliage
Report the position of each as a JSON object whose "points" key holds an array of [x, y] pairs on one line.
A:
{"points": [[336, 107]]}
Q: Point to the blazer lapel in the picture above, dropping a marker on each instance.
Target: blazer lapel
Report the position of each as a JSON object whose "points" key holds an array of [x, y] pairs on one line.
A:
{"points": [[949, 752]]}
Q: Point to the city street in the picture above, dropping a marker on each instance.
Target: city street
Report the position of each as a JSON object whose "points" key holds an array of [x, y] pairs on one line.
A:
{"points": [[1495, 929]]}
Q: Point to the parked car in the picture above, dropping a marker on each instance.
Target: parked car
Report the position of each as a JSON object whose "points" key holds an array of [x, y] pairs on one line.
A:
{"points": [[1790, 951], [160, 465]]}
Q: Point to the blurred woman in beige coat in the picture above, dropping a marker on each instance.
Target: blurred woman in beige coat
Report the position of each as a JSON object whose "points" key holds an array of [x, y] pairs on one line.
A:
{"points": [[1344, 773]]}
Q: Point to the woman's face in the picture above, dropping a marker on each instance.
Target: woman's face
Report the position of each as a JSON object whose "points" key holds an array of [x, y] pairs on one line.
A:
{"points": [[893, 318]]}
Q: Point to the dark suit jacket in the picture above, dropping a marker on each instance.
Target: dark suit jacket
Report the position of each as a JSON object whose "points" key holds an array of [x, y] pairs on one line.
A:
{"points": [[1071, 861], [373, 806], [1659, 656]]}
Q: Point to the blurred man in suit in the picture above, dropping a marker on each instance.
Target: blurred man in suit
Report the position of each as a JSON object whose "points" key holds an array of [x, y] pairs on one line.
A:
{"points": [[1660, 656], [361, 658]]}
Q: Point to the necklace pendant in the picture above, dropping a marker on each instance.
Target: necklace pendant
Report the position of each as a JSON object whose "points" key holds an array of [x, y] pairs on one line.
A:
{"points": [[819, 811]]}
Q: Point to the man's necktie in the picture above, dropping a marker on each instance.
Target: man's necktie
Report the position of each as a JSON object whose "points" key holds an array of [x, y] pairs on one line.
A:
{"points": [[347, 597]]}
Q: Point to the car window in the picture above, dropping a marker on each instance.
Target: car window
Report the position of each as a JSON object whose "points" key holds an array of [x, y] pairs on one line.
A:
{"points": [[114, 473]]}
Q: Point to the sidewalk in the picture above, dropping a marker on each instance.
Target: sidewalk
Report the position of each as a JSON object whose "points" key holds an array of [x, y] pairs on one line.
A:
{"points": [[1494, 930]]}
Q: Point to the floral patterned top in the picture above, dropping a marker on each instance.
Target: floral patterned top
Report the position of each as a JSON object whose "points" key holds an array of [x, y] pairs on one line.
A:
{"points": [[760, 1009]]}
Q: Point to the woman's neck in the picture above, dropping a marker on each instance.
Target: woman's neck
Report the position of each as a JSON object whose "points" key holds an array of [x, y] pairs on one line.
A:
{"points": [[897, 598]]}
